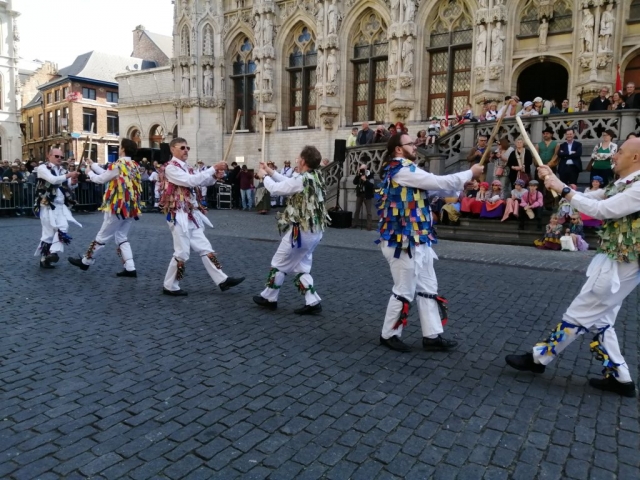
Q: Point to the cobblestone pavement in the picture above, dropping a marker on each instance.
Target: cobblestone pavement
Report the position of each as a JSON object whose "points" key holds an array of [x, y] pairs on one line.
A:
{"points": [[102, 377]]}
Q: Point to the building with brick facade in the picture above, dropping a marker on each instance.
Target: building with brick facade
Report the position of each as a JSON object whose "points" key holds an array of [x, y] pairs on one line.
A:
{"points": [[10, 133], [315, 68], [75, 98]]}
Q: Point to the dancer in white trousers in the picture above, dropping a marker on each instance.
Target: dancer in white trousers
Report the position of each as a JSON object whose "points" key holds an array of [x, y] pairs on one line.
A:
{"points": [[406, 236], [121, 206], [612, 275], [181, 201], [53, 192], [302, 223]]}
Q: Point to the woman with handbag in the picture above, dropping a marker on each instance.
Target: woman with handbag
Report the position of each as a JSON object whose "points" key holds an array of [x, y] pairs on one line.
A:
{"points": [[519, 163], [500, 160], [600, 164]]}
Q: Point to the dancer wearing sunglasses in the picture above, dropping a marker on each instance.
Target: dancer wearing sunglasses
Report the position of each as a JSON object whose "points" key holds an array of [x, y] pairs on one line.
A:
{"points": [[53, 192], [181, 201]]}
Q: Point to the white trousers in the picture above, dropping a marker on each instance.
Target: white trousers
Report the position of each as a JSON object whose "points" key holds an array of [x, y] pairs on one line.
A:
{"points": [[118, 229], [53, 222], [410, 275], [294, 260], [595, 310], [183, 242]]}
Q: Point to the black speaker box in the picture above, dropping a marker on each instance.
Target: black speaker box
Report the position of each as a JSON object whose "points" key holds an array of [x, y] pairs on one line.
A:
{"points": [[165, 153], [340, 218], [339, 150]]}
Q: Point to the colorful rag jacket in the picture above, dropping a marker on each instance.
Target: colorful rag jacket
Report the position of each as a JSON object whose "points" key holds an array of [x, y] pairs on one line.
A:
{"points": [[305, 210], [405, 216], [122, 196], [176, 197], [620, 237], [46, 192]]}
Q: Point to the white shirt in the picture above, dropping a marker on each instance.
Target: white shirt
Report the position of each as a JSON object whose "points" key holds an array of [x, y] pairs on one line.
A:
{"points": [[56, 178], [286, 171], [428, 181], [280, 185], [619, 205], [153, 177]]}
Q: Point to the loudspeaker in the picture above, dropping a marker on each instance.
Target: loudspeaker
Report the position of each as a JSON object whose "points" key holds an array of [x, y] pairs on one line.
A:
{"points": [[340, 218], [165, 153], [339, 150]]}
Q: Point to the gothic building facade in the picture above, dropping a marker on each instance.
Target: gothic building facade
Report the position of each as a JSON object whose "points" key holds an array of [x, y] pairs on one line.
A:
{"points": [[312, 69], [10, 133]]}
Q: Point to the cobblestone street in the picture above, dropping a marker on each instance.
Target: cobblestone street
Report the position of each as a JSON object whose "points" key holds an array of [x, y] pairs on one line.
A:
{"points": [[104, 377]]}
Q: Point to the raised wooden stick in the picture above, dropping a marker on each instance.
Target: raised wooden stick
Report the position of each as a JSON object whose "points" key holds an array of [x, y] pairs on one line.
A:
{"points": [[536, 156], [494, 134], [264, 134], [233, 134]]}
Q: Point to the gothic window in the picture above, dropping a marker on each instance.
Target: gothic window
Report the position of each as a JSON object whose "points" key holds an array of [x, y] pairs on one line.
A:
{"points": [[185, 41], [529, 21], [302, 79], [370, 59], [244, 83], [562, 17], [207, 40], [449, 49]]}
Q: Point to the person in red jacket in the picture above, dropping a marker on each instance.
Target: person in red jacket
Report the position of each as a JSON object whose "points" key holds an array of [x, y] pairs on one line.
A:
{"points": [[246, 182]]}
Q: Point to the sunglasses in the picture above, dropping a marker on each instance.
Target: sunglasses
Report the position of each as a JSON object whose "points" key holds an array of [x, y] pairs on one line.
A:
{"points": [[59, 156], [185, 148]]}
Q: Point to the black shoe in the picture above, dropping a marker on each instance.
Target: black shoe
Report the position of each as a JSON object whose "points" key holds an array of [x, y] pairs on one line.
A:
{"points": [[394, 343], [524, 363], [174, 293], [439, 343], [78, 263], [263, 302], [127, 273], [610, 384], [230, 282], [52, 258], [309, 309], [45, 264]]}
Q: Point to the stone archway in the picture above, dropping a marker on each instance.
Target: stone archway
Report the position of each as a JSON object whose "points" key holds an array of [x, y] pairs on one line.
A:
{"points": [[632, 72], [548, 80]]}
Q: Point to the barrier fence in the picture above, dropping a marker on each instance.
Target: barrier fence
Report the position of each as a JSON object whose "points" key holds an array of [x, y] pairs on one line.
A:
{"points": [[19, 198]]}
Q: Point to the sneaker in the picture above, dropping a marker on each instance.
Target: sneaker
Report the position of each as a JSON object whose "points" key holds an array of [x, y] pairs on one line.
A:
{"points": [[394, 343], [230, 282], [263, 302], [524, 363], [78, 263], [309, 309], [438, 344], [610, 384]]}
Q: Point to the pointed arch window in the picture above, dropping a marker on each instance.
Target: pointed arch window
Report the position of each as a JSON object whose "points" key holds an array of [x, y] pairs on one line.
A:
{"points": [[185, 41], [529, 21], [449, 49], [244, 84], [370, 61], [302, 79], [562, 17]]}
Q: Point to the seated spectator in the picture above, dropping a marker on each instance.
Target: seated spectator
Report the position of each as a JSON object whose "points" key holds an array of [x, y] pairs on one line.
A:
{"points": [[476, 153], [467, 114], [481, 197], [446, 205], [421, 139], [538, 105], [433, 131], [512, 205], [632, 135], [520, 161], [565, 107], [500, 160], [444, 127], [565, 210], [576, 232], [602, 157], [491, 113], [468, 196], [551, 239], [531, 206], [587, 221], [528, 110], [494, 206]]}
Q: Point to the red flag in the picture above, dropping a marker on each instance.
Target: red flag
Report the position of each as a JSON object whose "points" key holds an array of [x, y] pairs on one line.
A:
{"points": [[618, 80]]}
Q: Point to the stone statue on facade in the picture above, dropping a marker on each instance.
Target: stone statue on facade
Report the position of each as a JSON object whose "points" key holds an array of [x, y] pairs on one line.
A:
{"points": [[407, 55], [185, 80], [267, 75], [207, 80], [320, 17], [257, 32], [409, 10], [185, 7], [483, 3], [332, 13], [607, 21], [393, 58], [332, 66], [394, 10], [497, 43], [543, 30], [319, 66], [481, 46], [208, 41], [267, 30], [586, 31]]}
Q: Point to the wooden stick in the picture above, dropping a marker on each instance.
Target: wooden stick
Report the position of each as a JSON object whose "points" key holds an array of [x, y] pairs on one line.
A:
{"points": [[233, 134], [90, 137], [536, 156], [494, 134], [264, 134]]}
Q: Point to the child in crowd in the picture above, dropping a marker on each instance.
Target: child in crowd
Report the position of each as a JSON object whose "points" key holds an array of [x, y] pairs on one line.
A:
{"points": [[494, 206], [433, 131], [512, 205], [444, 127], [531, 206], [565, 210], [551, 239], [468, 196], [576, 233], [467, 114], [587, 221], [481, 197]]}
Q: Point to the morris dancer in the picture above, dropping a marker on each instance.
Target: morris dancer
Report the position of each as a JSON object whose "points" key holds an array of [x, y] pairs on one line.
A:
{"points": [[53, 198], [182, 204], [612, 275], [120, 204], [406, 236], [302, 221]]}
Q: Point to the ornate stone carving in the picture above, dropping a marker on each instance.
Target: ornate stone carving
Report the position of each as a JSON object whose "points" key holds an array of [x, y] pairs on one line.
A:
{"points": [[545, 9], [607, 22], [332, 17], [586, 61], [332, 67], [395, 11], [497, 43], [604, 59], [499, 12], [207, 81], [481, 46], [186, 79], [495, 70], [407, 56], [543, 30], [267, 75], [480, 71], [287, 9], [207, 44], [586, 31]]}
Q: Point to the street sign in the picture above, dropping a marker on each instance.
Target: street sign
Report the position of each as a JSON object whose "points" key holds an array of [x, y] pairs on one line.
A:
{"points": [[76, 135]]}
